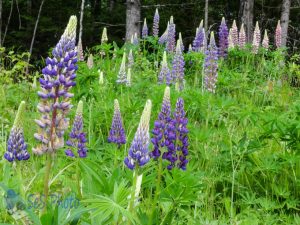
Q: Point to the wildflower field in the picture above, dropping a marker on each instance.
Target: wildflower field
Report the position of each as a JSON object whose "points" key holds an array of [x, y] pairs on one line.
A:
{"points": [[154, 131]]}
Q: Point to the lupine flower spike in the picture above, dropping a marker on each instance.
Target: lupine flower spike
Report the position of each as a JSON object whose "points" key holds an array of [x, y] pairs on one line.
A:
{"points": [[80, 51], [242, 37], [138, 154], [198, 42], [156, 24], [190, 48], [77, 138], [256, 39], [101, 79], [181, 42], [104, 38], [265, 42], [164, 75], [145, 29], [128, 80], [178, 68], [117, 132], [278, 34], [58, 79], [223, 39], [122, 72], [211, 65], [171, 41], [230, 42], [234, 34], [90, 61], [16, 146], [130, 59], [160, 134], [164, 37]]}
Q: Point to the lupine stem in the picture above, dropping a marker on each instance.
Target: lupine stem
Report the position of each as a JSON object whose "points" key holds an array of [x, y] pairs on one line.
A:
{"points": [[132, 196], [157, 191], [78, 179], [46, 180]]}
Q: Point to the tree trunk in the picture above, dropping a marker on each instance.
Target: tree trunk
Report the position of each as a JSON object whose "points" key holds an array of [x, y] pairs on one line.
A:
{"points": [[8, 21], [206, 15], [80, 20], [133, 17], [247, 18], [34, 32], [285, 15]]}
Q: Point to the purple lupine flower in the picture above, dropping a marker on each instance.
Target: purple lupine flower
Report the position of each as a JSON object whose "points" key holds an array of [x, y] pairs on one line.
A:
{"points": [[177, 138], [122, 72], [117, 132], [159, 131], [242, 37], [265, 42], [211, 65], [164, 37], [80, 51], [145, 29], [77, 138], [171, 41], [58, 79], [156, 24], [178, 68], [134, 39], [223, 39], [278, 35], [198, 42], [16, 146], [234, 34], [164, 74], [256, 39], [130, 59], [138, 154]]}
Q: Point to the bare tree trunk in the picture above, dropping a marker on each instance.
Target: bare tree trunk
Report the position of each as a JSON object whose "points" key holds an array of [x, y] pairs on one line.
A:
{"points": [[247, 18], [0, 21], [19, 14], [80, 21], [206, 15], [285, 15], [34, 32], [8, 21], [133, 17]]}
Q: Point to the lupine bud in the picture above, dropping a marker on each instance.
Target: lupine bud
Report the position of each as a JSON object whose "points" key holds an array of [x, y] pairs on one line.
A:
{"points": [[58, 79], [164, 75], [164, 37], [181, 42], [122, 72], [138, 154], [90, 61], [256, 39], [117, 132], [242, 37], [128, 80], [211, 65], [178, 67], [223, 39], [198, 42], [34, 83], [278, 35], [134, 39], [130, 59], [230, 42], [80, 51], [77, 138], [16, 146], [190, 48], [145, 29], [171, 41], [104, 38], [156, 24], [234, 34], [265, 42], [160, 135], [101, 80]]}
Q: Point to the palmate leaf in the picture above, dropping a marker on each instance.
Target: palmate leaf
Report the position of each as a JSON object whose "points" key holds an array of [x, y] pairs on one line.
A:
{"points": [[111, 207]]}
